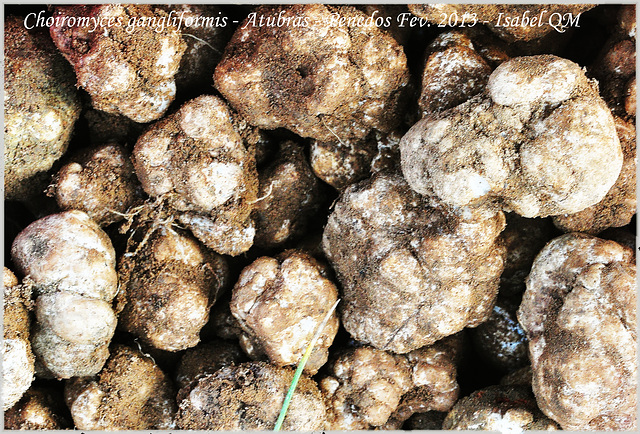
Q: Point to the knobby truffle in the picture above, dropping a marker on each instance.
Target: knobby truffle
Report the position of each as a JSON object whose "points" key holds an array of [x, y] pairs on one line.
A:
{"points": [[411, 273], [280, 303], [539, 141], [319, 80], [72, 265], [197, 161], [169, 284], [579, 313], [126, 70]]}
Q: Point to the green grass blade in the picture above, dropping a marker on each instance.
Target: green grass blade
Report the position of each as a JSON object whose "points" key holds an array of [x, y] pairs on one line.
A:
{"points": [[301, 365]]}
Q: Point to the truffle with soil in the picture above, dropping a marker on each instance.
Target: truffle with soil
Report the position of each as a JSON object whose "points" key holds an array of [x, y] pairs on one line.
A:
{"points": [[411, 272], [579, 313], [197, 162], [168, 283], [138, 78], [40, 109]]}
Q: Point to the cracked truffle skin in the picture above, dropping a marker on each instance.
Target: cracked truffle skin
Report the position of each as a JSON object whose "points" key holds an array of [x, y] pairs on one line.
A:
{"points": [[169, 286], [198, 162], [126, 70], [498, 408], [17, 357], [411, 273], [280, 303], [290, 196], [317, 80], [579, 313], [131, 393], [539, 141], [71, 262], [40, 109], [619, 205], [249, 397], [101, 182]]}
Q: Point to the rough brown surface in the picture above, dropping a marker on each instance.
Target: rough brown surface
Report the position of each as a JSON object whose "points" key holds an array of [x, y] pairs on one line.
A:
{"points": [[40, 109], [318, 80], [205, 359], [249, 397], [411, 273], [71, 262], [17, 357], [539, 141], [131, 393], [197, 161], [341, 163], [38, 409], [169, 284], [289, 196], [101, 182], [619, 205], [127, 70], [280, 303], [453, 72], [490, 14], [579, 312], [498, 408]]}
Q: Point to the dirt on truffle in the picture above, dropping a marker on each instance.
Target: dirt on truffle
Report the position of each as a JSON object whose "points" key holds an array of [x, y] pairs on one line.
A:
{"points": [[411, 272], [579, 313], [39, 409], [249, 397], [41, 107], [131, 393]]}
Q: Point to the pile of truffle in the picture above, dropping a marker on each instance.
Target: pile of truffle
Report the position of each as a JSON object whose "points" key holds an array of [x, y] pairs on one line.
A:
{"points": [[185, 207]]}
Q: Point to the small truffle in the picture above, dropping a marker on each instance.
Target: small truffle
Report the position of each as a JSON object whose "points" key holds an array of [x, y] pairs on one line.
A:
{"points": [[40, 408], [197, 161], [127, 69], [280, 303], [71, 262], [319, 80], [40, 109], [101, 182], [205, 359], [131, 393], [289, 196], [411, 273], [249, 397], [579, 313], [169, 283]]}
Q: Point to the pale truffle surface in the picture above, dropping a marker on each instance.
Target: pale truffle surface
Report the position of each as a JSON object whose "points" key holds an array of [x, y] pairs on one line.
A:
{"points": [[72, 264], [411, 273], [196, 161], [128, 68], [539, 141], [316, 79], [280, 303], [579, 312]]}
